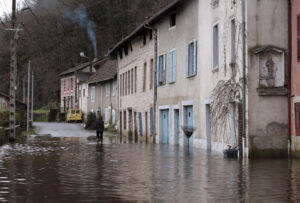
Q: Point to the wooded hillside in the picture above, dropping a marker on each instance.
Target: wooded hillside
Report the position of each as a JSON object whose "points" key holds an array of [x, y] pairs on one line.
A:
{"points": [[56, 31]]}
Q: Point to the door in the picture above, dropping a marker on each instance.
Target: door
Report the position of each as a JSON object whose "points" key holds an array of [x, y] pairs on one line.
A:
{"points": [[208, 131], [297, 118], [189, 120], [165, 126], [176, 126], [130, 125], [146, 126], [135, 128]]}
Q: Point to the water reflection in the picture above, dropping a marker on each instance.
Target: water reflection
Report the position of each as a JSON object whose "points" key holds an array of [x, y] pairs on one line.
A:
{"points": [[45, 169]]}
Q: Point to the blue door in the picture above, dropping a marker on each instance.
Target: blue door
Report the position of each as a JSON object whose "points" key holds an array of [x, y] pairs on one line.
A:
{"points": [[165, 126], [189, 120], [176, 127]]}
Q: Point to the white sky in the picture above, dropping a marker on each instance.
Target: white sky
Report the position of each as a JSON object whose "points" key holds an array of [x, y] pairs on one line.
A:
{"points": [[5, 6]]}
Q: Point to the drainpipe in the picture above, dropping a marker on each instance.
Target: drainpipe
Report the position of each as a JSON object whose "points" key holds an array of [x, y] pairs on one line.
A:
{"points": [[146, 25], [244, 73], [289, 53]]}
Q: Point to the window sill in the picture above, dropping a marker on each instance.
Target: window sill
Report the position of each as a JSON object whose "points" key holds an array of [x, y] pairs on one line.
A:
{"points": [[216, 69], [172, 28], [172, 82], [191, 76]]}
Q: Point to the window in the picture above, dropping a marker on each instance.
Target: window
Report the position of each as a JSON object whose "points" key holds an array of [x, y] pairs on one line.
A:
{"points": [[107, 89], [83, 93], [106, 115], [124, 120], [125, 83], [135, 73], [172, 20], [114, 88], [233, 34], [151, 74], [113, 114], [120, 54], [93, 94], [172, 66], [128, 73], [298, 38], [161, 70], [151, 35], [71, 83], [126, 49], [216, 46], [132, 81], [121, 87], [191, 59], [79, 93], [145, 77]]}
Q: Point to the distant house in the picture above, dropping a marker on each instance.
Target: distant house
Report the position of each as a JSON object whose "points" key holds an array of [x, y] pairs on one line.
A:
{"points": [[69, 81], [102, 91], [135, 78]]}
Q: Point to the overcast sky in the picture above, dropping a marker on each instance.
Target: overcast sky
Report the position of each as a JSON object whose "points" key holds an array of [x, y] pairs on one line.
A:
{"points": [[5, 6]]}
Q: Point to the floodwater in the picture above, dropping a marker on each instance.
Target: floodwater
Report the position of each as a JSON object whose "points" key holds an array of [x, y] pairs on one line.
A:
{"points": [[77, 169]]}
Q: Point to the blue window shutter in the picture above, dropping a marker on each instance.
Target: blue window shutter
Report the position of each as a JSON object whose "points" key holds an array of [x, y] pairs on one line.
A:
{"points": [[195, 58], [164, 68], [171, 67], [157, 71], [151, 121], [174, 65], [187, 61], [140, 124]]}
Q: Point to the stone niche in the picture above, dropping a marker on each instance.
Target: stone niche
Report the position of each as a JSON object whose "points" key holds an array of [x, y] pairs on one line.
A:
{"points": [[271, 71]]}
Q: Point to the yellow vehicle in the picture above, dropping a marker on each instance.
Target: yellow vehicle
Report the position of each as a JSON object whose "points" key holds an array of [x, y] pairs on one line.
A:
{"points": [[74, 115]]}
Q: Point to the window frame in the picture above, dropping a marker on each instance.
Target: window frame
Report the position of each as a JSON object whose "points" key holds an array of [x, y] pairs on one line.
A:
{"points": [[172, 67], [171, 26], [298, 37], [161, 80], [216, 66], [107, 89], [194, 65], [93, 94]]}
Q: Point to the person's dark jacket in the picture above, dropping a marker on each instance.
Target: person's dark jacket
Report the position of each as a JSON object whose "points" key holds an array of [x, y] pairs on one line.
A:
{"points": [[99, 125]]}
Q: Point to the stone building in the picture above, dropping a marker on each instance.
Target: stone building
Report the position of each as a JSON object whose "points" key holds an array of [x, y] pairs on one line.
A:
{"points": [[69, 81], [135, 80], [103, 91], [295, 75]]}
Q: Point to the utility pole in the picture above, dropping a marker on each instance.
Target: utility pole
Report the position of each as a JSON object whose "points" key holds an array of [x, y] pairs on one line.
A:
{"points": [[28, 96], [32, 91], [24, 96], [13, 77]]}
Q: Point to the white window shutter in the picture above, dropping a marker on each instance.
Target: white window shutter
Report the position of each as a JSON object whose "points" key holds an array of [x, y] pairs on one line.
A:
{"points": [[195, 58], [171, 67], [164, 68]]}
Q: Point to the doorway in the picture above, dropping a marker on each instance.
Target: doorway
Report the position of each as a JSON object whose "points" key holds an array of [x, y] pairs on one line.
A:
{"points": [[189, 122], [130, 123], [164, 126], [176, 127], [208, 127]]}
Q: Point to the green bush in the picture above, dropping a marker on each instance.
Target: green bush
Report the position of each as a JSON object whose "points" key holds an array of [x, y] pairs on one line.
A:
{"points": [[91, 121], [4, 118], [40, 116]]}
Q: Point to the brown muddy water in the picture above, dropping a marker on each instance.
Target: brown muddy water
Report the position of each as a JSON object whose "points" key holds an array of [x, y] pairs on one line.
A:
{"points": [[45, 169]]}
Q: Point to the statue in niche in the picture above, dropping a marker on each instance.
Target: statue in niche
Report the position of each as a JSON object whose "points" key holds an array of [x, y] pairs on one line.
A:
{"points": [[268, 74]]}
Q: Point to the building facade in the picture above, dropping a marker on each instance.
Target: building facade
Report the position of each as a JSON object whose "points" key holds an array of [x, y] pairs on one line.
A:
{"points": [[102, 94], [135, 80], [69, 81], [295, 82]]}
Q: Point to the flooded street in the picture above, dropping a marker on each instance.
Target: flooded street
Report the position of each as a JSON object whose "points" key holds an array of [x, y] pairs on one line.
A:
{"points": [[77, 169]]}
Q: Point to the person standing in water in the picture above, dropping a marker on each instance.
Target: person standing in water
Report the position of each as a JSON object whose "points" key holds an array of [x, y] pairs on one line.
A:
{"points": [[99, 129]]}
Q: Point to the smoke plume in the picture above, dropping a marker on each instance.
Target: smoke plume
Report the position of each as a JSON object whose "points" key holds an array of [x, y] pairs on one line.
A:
{"points": [[79, 16]]}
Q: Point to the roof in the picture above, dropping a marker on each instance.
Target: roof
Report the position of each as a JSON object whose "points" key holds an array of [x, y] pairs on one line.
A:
{"points": [[76, 68], [107, 70], [141, 27], [7, 97], [258, 50]]}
